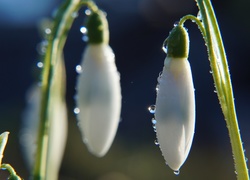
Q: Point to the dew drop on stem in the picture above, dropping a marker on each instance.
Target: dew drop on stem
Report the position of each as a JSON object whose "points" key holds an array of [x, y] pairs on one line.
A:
{"points": [[39, 65], [74, 15], [47, 31], [76, 110], [199, 17], [87, 12], [85, 38], [83, 30]]}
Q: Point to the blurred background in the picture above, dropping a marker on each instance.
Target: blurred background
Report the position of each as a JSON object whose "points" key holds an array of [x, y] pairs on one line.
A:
{"points": [[137, 31]]}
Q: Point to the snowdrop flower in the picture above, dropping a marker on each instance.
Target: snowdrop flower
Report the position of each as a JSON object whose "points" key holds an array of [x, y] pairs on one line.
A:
{"points": [[175, 102], [98, 89], [58, 126]]}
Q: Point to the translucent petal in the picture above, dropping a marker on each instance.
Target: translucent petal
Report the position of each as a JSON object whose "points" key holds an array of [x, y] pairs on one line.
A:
{"points": [[175, 111], [98, 98]]}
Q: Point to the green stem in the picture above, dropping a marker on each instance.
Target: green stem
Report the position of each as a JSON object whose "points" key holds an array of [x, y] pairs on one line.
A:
{"points": [[56, 41], [11, 170], [3, 142], [193, 19], [219, 66]]}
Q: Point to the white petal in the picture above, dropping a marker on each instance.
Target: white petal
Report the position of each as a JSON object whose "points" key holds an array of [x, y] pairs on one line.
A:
{"points": [[58, 126], [98, 98], [175, 111]]}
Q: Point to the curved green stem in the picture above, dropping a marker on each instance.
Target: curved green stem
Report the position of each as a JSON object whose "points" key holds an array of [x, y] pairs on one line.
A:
{"points": [[11, 170], [219, 66], [56, 41], [196, 20]]}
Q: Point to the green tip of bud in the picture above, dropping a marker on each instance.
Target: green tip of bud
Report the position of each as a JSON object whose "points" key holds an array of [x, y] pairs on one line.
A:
{"points": [[97, 26], [177, 43]]}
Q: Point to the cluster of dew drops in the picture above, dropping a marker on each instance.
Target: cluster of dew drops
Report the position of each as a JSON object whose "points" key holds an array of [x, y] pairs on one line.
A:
{"points": [[152, 109], [78, 67], [42, 46]]}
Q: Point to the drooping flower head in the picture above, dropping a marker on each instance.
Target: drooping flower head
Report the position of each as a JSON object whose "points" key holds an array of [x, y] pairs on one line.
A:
{"points": [[175, 101], [98, 89]]}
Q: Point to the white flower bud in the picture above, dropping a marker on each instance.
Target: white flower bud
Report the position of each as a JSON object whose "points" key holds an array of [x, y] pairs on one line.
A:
{"points": [[98, 98], [175, 102], [175, 111], [57, 128]]}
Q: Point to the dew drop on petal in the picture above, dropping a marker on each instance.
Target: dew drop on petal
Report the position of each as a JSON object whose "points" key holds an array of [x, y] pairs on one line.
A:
{"points": [[151, 109], [39, 65], [157, 87], [165, 48], [177, 172], [153, 121], [79, 69], [76, 110], [156, 142]]}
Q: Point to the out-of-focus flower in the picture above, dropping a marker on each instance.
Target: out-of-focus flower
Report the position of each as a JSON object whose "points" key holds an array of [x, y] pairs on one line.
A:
{"points": [[98, 89], [58, 127], [175, 101]]}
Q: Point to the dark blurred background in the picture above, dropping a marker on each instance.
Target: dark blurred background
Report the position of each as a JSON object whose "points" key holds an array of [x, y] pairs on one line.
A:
{"points": [[137, 31]]}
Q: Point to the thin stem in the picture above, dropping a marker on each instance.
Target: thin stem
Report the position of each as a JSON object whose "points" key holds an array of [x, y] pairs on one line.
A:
{"points": [[3, 142], [196, 20], [223, 84], [62, 24], [11, 170]]}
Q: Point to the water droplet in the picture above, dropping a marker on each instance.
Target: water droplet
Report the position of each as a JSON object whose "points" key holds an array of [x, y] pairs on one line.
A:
{"points": [[74, 15], [39, 65], [47, 31], [156, 142], [87, 12], [165, 46], [177, 172], [157, 87], [83, 30], [154, 127], [85, 38], [153, 121], [151, 109], [246, 159], [199, 17], [176, 23], [76, 110], [79, 69], [39, 84], [42, 47]]}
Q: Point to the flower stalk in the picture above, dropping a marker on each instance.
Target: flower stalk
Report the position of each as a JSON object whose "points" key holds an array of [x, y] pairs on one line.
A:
{"points": [[56, 41], [222, 80]]}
